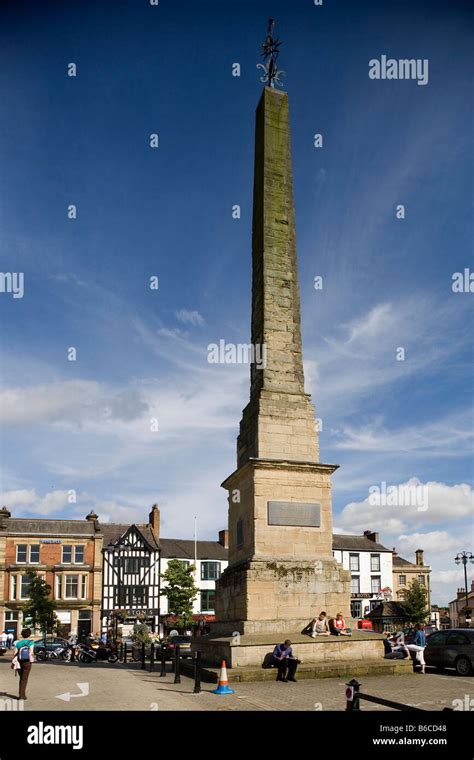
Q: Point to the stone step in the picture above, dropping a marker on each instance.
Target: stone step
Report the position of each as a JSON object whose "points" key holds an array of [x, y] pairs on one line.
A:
{"points": [[343, 669]]}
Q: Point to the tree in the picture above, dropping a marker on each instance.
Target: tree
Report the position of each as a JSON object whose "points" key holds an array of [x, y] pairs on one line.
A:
{"points": [[415, 603], [180, 591], [40, 608]]}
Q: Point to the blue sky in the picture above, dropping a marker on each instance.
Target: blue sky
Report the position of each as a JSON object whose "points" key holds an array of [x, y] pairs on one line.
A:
{"points": [[142, 354]]}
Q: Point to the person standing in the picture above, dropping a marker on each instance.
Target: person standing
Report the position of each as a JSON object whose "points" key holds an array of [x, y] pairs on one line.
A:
{"points": [[25, 655], [418, 646], [10, 638], [3, 640], [284, 660]]}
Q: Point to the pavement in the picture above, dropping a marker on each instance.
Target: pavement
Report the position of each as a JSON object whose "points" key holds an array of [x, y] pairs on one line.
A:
{"points": [[103, 686]]}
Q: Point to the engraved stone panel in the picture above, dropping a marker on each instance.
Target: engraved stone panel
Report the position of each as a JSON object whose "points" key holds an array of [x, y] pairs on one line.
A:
{"points": [[294, 513]]}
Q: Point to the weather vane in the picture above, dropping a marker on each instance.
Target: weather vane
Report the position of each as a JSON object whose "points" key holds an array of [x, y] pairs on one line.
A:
{"points": [[270, 53]]}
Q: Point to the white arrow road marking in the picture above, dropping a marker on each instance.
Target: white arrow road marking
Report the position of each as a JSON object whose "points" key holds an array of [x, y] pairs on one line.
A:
{"points": [[84, 687]]}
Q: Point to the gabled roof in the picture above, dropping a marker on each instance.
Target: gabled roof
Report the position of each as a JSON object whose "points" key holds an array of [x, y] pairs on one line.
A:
{"points": [[114, 531], [400, 562], [388, 610], [178, 548], [356, 543]]}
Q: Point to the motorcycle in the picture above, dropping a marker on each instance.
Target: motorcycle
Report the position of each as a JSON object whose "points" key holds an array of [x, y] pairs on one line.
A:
{"points": [[86, 653], [59, 653]]}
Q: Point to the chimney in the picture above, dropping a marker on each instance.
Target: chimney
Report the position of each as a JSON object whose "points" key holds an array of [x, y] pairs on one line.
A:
{"points": [[419, 556], [154, 520], [375, 537], [4, 515], [224, 538], [394, 552], [91, 516]]}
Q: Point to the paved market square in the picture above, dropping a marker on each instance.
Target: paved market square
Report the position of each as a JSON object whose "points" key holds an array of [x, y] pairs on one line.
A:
{"points": [[102, 686]]}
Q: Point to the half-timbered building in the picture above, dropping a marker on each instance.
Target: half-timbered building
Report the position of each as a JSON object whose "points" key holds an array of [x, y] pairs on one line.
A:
{"points": [[131, 575]]}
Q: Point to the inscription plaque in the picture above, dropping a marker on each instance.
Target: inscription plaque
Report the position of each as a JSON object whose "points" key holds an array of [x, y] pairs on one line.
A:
{"points": [[294, 513]]}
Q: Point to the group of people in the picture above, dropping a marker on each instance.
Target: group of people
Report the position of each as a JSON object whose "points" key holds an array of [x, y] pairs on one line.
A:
{"points": [[395, 646], [324, 626], [6, 640], [282, 656]]}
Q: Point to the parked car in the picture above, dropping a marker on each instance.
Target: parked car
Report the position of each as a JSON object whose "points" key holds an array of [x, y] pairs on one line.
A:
{"points": [[451, 649], [51, 642], [184, 645]]}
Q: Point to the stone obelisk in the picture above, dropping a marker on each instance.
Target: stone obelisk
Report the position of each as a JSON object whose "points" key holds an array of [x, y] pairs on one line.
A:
{"points": [[281, 567]]}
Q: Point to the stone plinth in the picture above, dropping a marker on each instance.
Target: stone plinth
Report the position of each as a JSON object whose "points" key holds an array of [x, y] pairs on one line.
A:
{"points": [[250, 650], [279, 595]]}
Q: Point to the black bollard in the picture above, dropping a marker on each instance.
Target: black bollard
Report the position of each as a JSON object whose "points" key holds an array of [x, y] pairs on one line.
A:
{"points": [[197, 673], [73, 654], [125, 652], [143, 656], [152, 657], [163, 661], [177, 674], [354, 703]]}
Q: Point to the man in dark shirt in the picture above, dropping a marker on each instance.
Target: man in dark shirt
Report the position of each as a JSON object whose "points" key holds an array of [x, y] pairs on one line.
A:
{"points": [[284, 660]]}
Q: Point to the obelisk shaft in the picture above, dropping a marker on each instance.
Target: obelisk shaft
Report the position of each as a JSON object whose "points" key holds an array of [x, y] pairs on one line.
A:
{"points": [[279, 420]]}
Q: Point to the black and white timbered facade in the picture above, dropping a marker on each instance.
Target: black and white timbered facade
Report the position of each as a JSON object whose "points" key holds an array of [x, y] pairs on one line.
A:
{"points": [[131, 577]]}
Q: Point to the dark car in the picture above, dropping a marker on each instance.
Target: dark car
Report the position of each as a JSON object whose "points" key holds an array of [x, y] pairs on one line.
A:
{"points": [[184, 645], [51, 642], [451, 649]]}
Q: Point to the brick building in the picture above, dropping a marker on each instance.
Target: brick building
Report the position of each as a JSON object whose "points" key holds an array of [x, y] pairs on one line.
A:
{"points": [[67, 554]]}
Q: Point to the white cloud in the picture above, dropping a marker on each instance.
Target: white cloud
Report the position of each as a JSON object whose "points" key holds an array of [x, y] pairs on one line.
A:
{"points": [[28, 502], [445, 503], [189, 317], [432, 543]]}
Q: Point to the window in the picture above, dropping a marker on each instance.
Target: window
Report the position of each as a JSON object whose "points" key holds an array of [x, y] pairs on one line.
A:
{"points": [[210, 571], [73, 554], [59, 586], [22, 553], [132, 596], [355, 584], [240, 534], [83, 586], [34, 553], [71, 587], [25, 587], [208, 601], [132, 564], [375, 563], [402, 579], [456, 638], [14, 587], [375, 584], [421, 579], [438, 638], [356, 608], [354, 562]]}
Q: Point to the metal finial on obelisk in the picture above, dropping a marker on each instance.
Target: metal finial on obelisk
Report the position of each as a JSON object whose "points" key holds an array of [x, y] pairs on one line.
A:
{"points": [[270, 53]]}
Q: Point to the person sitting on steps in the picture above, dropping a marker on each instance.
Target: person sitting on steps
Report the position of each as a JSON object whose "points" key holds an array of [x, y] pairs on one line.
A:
{"points": [[284, 660], [338, 626], [320, 625]]}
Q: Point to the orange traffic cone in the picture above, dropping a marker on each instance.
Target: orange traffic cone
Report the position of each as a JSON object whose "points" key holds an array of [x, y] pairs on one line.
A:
{"points": [[223, 685]]}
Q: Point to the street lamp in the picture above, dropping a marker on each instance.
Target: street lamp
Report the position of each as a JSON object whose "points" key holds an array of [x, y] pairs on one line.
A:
{"points": [[464, 558]]}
